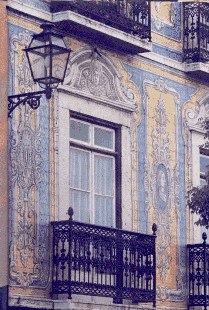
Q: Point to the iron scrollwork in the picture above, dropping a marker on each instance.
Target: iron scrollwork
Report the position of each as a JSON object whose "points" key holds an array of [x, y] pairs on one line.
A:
{"points": [[101, 261], [33, 99], [196, 32], [198, 255]]}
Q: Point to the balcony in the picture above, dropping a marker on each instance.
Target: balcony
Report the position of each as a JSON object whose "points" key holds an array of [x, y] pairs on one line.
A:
{"points": [[196, 38], [198, 271], [101, 261], [124, 25]]}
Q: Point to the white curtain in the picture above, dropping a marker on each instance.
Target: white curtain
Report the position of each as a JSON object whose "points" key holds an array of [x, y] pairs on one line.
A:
{"points": [[104, 190], [92, 187], [80, 184]]}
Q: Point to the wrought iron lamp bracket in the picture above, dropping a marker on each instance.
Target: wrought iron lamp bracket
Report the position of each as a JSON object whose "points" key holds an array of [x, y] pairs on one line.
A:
{"points": [[32, 99]]}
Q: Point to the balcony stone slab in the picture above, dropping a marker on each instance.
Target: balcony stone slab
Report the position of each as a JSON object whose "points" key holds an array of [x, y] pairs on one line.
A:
{"points": [[96, 305], [73, 305], [198, 70], [98, 33]]}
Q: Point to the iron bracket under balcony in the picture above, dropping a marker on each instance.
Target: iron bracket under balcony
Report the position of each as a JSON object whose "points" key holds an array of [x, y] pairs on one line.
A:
{"points": [[196, 39], [121, 25]]}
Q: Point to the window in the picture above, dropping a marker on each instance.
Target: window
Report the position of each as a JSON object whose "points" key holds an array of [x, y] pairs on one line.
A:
{"points": [[199, 163], [204, 165], [93, 162]]}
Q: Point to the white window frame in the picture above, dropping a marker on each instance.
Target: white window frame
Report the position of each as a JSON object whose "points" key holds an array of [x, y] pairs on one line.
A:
{"points": [[93, 151], [203, 175], [197, 139]]}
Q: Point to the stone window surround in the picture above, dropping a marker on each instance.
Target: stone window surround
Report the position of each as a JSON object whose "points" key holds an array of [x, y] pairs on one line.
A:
{"points": [[66, 102], [197, 139]]}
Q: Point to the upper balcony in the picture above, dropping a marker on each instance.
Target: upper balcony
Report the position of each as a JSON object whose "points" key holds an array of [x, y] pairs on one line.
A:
{"points": [[196, 38], [124, 25]]}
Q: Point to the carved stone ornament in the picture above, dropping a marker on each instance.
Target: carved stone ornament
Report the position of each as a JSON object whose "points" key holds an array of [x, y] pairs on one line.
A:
{"points": [[162, 191], [22, 80], [25, 176], [161, 188], [29, 260], [92, 75], [195, 117]]}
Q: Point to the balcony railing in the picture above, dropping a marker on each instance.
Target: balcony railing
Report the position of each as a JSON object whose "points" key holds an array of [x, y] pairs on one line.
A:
{"points": [[196, 32], [130, 16], [198, 255], [101, 261]]}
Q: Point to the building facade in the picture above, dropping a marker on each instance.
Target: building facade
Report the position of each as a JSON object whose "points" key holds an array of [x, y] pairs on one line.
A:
{"points": [[119, 141]]}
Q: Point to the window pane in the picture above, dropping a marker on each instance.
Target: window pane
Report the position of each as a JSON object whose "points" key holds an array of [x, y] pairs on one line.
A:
{"points": [[79, 201], [204, 162], [79, 131], [104, 211], [104, 175], [103, 138], [79, 169]]}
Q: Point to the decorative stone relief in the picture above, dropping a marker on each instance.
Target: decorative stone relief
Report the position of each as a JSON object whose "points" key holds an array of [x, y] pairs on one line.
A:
{"points": [[96, 80], [29, 230], [161, 185], [25, 176], [161, 188], [195, 117], [23, 81], [160, 136], [93, 75]]}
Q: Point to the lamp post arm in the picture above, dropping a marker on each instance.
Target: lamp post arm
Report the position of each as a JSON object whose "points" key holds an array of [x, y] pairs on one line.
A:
{"points": [[33, 99]]}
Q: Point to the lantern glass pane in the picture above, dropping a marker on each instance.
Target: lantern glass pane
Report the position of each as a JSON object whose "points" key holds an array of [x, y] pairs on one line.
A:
{"points": [[37, 42], [59, 63], [40, 63], [58, 41]]}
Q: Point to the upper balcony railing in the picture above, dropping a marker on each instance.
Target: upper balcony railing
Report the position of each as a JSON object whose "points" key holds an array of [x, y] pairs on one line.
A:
{"points": [[198, 271], [196, 32], [130, 16], [101, 261]]}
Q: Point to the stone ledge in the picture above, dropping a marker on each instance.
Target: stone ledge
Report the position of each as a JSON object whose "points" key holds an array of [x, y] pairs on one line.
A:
{"points": [[198, 70], [80, 303], [96, 305], [20, 301]]}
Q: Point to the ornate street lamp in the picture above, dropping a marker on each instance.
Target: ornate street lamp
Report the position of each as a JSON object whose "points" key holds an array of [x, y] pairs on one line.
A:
{"points": [[48, 57]]}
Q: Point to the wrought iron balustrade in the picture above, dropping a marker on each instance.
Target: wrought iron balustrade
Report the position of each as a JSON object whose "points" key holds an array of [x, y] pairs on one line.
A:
{"points": [[196, 32], [198, 271], [130, 16], [101, 261]]}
